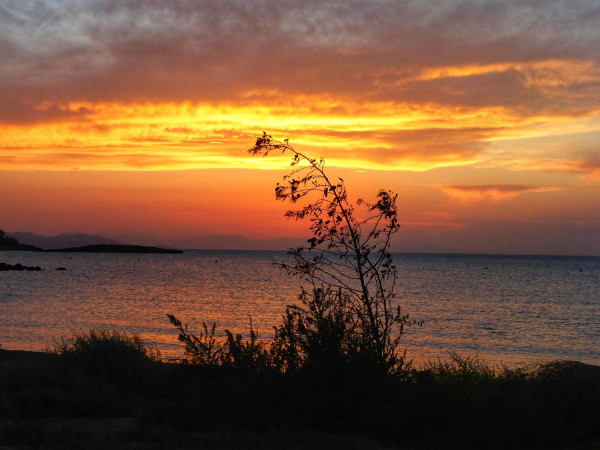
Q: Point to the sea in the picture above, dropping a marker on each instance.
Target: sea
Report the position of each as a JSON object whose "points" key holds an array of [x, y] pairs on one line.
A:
{"points": [[499, 309]]}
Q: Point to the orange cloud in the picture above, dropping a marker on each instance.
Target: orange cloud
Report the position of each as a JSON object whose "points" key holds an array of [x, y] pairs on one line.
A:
{"points": [[476, 193], [377, 136]]}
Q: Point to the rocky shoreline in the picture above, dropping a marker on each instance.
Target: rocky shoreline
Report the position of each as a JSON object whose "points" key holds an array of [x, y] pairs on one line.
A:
{"points": [[6, 267]]}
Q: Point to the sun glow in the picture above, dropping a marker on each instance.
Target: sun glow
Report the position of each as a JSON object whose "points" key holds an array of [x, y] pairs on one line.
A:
{"points": [[169, 136]]}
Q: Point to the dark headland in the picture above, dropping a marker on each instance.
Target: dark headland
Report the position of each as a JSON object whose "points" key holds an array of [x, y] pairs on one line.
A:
{"points": [[114, 248], [11, 244]]}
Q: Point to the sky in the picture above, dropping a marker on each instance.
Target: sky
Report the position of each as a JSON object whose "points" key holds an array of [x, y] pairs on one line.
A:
{"points": [[133, 118]]}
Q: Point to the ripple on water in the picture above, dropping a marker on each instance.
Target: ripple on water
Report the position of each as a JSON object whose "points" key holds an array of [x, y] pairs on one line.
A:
{"points": [[519, 309]]}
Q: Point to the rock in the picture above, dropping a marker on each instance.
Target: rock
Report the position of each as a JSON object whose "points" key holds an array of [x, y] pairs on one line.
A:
{"points": [[4, 267]]}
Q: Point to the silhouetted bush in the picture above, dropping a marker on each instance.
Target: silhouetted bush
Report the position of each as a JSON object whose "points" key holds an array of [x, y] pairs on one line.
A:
{"points": [[122, 360], [234, 351], [349, 315]]}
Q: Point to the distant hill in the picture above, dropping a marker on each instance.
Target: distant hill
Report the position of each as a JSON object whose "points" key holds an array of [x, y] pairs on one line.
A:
{"points": [[64, 240]]}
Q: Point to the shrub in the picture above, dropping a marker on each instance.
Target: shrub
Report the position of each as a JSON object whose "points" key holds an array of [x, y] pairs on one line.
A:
{"points": [[122, 360], [319, 335], [202, 349], [234, 351], [350, 309]]}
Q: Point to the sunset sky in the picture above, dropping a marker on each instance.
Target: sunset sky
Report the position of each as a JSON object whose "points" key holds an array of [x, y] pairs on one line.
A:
{"points": [[133, 118]]}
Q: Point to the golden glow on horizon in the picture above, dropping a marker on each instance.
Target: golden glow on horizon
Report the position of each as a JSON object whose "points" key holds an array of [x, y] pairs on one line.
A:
{"points": [[349, 132], [171, 136]]}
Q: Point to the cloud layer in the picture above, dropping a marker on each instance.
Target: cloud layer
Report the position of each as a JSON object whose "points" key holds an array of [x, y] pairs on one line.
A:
{"points": [[372, 50], [403, 75], [505, 62]]}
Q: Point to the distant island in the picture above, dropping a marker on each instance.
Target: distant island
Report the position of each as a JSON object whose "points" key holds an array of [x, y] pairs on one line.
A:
{"points": [[206, 242], [113, 248], [9, 243]]}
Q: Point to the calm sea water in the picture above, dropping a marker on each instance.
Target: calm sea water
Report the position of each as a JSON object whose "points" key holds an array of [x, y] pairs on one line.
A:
{"points": [[509, 309]]}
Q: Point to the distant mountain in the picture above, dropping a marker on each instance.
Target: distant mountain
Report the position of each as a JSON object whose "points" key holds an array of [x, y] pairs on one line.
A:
{"points": [[62, 240]]}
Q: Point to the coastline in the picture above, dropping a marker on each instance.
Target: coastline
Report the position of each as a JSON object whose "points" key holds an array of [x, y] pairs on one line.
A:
{"points": [[50, 400], [112, 248]]}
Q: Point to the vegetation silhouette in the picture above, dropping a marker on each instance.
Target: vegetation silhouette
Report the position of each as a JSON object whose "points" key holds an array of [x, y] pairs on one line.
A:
{"points": [[113, 356], [348, 313], [12, 244], [346, 319], [106, 389]]}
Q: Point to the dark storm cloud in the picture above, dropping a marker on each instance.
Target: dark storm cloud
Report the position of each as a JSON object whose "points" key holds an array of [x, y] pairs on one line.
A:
{"points": [[63, 51]]}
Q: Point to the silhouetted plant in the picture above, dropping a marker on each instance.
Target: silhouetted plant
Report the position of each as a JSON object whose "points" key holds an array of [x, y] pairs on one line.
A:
{"points": [[348, 265], [203, 349], [248, 353], [320, 334], [100, 342], [123, 360], [233, 351], [348, 316]]}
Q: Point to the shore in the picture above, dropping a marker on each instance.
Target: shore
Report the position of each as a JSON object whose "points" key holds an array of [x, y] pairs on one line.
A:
{"points": [[50, 401]]}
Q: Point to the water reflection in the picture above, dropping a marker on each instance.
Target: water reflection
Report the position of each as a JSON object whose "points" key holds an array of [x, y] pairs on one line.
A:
{"points": [[511, 309]]}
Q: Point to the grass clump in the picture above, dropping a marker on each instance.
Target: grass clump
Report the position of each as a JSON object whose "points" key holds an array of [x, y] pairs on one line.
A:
{"points": [[122, 360], [89, 374]]}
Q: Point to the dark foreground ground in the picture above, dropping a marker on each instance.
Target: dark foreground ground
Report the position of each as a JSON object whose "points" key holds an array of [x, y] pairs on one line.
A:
{"points": [[49, 401]]}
